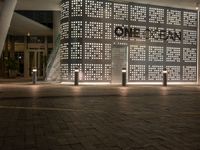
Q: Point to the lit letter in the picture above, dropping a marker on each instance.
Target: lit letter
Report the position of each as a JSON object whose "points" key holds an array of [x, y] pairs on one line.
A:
{"points": [[136, 32], [162, 35], [127, 31], [177, 36], [119, 31]]}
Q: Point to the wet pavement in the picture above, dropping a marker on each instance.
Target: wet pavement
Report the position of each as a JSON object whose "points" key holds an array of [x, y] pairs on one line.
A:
{"points": [[63, 117]]}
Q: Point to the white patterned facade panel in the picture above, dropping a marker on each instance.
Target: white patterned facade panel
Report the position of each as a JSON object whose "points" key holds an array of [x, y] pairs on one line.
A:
{"points": [[94, 30], [108, 50], [76, 8], [120, 11], [189, 73], [64, 71], [137, 53], [64, 29], [156, 53], [137, 73], [173, 54], [65, 10], [189, 54], [64, 48], [173, 17], [108, 72], [93, 51], [189, 37], [155, 73], [173, 73], [156, 15], [189, 19], [76, 50], [94, 8], [108, 10], [138, 13], [93, 72], [108, 30], [76, 29]]}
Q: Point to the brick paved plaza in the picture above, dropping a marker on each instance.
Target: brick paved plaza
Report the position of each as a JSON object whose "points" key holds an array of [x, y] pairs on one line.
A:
{"points": [[63, 117]]}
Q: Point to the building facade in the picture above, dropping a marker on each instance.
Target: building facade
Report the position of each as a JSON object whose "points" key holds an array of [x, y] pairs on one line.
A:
{"points": [[28, 47], [89, 42], [25, 53]]}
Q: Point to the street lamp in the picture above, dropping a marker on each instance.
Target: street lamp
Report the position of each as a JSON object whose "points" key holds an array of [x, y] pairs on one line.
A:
{"points": [[27, 39]]}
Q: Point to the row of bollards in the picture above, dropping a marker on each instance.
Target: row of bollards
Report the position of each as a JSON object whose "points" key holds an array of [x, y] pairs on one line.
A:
{"points": [[76, 78]]}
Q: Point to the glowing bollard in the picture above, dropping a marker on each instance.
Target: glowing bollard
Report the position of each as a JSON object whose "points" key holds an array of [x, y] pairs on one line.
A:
{"points": [[123, 76], [34, 75], [164, 77], [76, 76]]}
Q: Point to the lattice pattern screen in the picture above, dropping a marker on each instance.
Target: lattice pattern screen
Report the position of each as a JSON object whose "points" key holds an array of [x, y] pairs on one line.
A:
{"points": [[173, 17], [87, 37], [173, 54], [142, 36], [138, 13], [76, 8], [76, 51]]}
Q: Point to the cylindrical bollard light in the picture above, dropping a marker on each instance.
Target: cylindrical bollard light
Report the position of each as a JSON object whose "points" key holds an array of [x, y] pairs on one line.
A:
{"points": [[34, 77], [76, 71], [164, 77], [123, 76]]}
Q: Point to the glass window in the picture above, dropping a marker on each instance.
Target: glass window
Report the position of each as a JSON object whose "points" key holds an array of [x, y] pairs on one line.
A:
{"points": [[37, 39], [50, 39], [19, 39]]}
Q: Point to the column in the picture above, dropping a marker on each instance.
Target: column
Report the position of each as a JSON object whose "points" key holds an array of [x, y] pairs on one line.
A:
{"points": [[12, 46], [26, 59], [45, 56], [198, 51], [56, 26], [5, 19]]}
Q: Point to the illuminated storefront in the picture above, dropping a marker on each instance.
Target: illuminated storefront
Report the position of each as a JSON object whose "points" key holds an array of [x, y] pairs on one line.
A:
{"points": [[160, 37]]}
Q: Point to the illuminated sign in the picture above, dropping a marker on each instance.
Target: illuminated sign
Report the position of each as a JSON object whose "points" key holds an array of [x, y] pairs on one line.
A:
{"points": [[148, 33]]}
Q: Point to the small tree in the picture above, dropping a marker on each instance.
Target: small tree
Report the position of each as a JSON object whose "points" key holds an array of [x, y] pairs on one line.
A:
{"points": [[12, 66]]}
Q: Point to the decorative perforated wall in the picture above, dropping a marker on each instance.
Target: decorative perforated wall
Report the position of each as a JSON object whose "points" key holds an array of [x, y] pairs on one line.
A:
{"points": [[87, 37]]}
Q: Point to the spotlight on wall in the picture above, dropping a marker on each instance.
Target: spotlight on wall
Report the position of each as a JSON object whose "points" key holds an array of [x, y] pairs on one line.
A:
{"points": [[197, 6]]}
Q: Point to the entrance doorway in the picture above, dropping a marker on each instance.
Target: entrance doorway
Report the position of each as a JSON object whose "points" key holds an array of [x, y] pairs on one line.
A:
{"points": [[119, 61], [19, 56], [36, 60]]}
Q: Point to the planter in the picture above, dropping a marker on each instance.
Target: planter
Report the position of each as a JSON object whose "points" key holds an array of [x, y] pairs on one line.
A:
{"points": [[12, 73]]}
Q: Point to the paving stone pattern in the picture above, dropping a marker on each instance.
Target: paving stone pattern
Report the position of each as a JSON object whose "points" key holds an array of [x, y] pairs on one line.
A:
{"points": [[60, 117]]}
